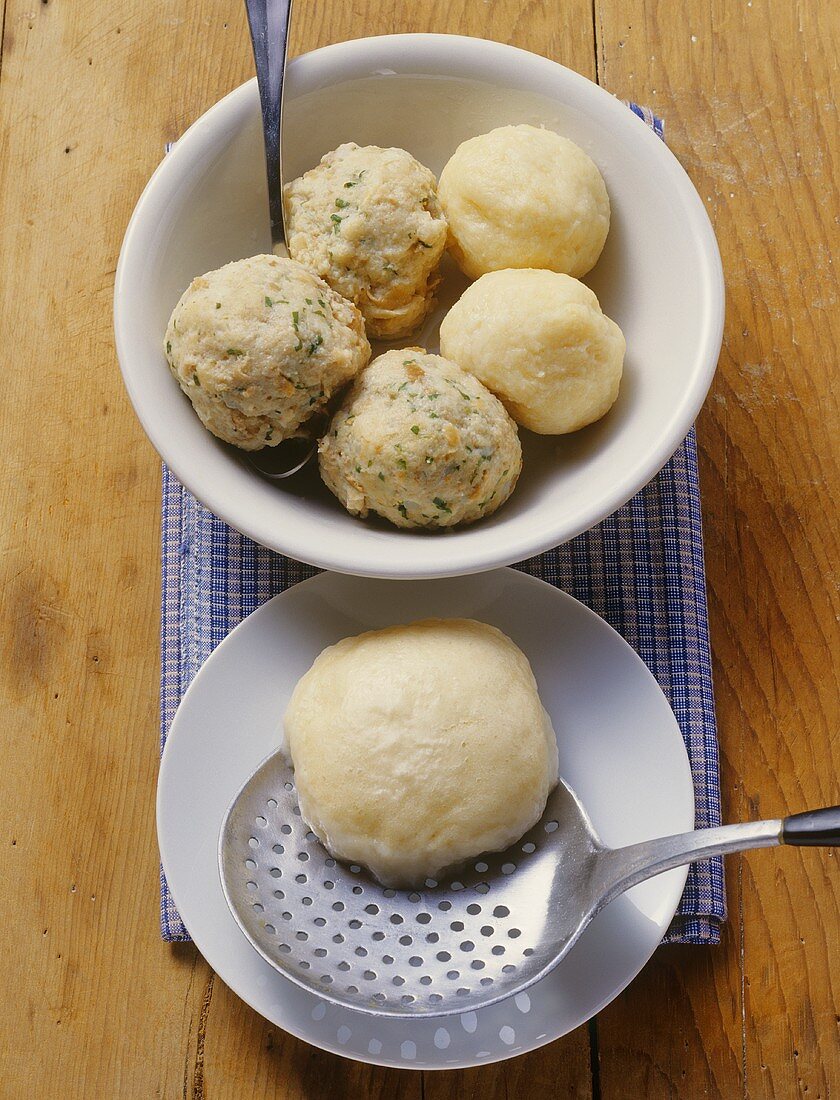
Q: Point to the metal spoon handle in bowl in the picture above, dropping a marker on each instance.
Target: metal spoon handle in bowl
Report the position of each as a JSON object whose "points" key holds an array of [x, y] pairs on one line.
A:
{"points": [[623, 868], [269, 21]]}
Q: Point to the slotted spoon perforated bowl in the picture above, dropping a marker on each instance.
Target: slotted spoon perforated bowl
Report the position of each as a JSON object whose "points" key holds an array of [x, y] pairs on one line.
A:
{"points": [[486, 931]]}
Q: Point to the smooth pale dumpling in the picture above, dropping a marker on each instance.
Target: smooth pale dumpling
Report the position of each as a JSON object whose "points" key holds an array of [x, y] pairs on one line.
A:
{"points": [[541, 343], [419, 746], [368, 221], [521, 196], [259, 346]]}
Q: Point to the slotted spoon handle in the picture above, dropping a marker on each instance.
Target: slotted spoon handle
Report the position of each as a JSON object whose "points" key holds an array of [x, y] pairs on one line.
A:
{"points": [[623, 868], [268, 21]]}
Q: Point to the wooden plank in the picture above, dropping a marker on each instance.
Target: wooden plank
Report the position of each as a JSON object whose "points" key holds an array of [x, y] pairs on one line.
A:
{"points": [[749, 93]]}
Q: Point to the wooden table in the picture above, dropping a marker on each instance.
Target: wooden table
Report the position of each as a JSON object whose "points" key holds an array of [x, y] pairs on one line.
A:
{"points": [[91, 1003]]}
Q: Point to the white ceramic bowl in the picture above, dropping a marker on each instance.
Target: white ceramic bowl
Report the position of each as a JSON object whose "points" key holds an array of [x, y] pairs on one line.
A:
{"points": [[659, 277]]}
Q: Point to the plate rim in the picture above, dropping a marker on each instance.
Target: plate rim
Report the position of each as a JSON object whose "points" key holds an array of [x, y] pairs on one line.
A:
{"points": [[236, 986]]}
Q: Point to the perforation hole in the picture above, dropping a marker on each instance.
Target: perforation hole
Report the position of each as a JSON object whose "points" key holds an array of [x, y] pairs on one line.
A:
{"points": [[443, 956], [306, 901], [415, 960], [320, 952], [358, 890], [272, 803], [278, 894], [388, 959], [354, 924], [328, 885], [414, 898], [444, 906], [396, 918], [406, 941], [529, 847], [467, 945], [361, 952], [251, 886], [514, 933], [483, 888], [508, 868], [261, 821], [300, 879], [303, 856], [453, 975], [498, 950], [301, 936], [473, 909], [432, 937], [487, 930], [378, 936], [551, 826], [501, 911], [372, 909], [481, 868], [253, 842], [270, 929], [435, 998], [251, 864], [423, 918], [425, 980], [344, 966], [278, 848], [397, 980], [286, 830], [288, 787], [275, 872], [486, 981], [369, 975], [284, 948], [258, 908], [338, 938]]}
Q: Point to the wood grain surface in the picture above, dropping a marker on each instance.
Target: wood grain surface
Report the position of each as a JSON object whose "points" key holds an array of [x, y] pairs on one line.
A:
{"points": [[91, 1003]]}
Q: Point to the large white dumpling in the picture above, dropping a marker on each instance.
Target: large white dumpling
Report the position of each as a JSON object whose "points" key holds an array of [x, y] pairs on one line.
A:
{"points": [[541, 343], [417, 747], [521, 196]]}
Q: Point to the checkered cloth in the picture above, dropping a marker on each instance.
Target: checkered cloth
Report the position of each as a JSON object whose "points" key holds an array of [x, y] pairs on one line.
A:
{"points": [[641, 570]]}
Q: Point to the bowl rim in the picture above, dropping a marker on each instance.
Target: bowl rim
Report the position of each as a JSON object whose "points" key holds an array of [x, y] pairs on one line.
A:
{"points": [[329, 65]]}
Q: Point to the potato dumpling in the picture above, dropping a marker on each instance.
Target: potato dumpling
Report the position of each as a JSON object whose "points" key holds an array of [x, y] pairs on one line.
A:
{"points": [[259, 346], [540, 342], [521, 196], [416, 747], [368, 221], [420, 442]]}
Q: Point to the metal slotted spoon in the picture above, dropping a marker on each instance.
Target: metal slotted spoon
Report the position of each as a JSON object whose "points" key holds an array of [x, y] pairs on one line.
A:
{"points": [[486, 931]]}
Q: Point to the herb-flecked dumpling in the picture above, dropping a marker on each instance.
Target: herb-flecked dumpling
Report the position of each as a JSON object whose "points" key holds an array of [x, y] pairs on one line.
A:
{"points": [[420, 442], [259, 346], [368, 221]]}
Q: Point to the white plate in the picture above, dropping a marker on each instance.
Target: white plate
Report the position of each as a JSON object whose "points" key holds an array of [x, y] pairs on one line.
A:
{"points": [[620, 749], [659, 277]]}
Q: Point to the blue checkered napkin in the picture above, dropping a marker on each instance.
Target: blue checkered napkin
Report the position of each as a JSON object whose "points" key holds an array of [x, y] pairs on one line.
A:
{"points": [[641, 570]]}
